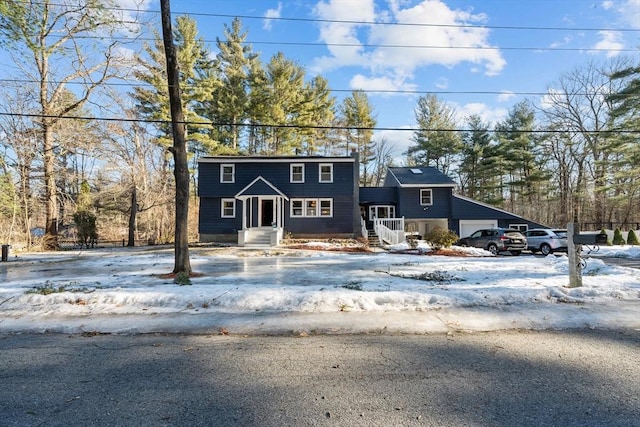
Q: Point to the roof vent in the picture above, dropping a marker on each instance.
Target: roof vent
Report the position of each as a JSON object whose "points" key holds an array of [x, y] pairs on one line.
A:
{"points": [[416, 171]]}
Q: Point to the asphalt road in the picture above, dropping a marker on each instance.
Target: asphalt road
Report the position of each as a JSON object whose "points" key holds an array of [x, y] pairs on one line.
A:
{"points": [[514, 378]]}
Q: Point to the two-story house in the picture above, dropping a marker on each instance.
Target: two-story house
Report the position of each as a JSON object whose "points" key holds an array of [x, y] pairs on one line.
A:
{"points": [[256, 200]]}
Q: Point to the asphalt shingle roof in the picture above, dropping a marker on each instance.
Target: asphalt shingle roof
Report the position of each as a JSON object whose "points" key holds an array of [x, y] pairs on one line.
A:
{"points": [[425, 176]]}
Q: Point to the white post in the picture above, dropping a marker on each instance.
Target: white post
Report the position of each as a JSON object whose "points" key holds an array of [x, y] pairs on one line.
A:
{"points": [[575, 270]]}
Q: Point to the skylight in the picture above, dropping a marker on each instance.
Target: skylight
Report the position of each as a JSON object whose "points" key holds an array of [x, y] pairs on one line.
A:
{"points": [[416, 171]]}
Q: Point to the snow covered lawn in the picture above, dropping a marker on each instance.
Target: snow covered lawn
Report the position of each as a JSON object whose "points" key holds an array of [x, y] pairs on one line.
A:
{"points": [[303, 291]]}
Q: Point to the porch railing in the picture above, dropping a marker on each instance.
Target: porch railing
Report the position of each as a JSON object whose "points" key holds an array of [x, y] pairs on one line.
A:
{"points": [[390, 230]]}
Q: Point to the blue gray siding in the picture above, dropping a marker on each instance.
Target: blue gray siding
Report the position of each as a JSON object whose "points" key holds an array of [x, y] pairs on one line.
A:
{"points": [[409, 203], [343, 191]]}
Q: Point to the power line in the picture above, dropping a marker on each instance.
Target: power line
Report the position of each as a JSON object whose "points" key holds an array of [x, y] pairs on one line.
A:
{"points": [[358, 22], [138, 83], [317, 127]]}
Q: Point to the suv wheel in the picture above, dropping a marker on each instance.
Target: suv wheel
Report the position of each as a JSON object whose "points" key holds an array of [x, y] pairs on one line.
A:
{"points": [[545, 249], [493, 249]]}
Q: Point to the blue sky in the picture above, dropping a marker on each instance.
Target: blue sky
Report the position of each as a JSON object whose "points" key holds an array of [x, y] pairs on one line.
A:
{"points": [[508, 48], [481, 57]]}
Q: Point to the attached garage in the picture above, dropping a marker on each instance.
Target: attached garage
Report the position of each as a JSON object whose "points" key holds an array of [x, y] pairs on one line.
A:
{"points": [[468, 226]]}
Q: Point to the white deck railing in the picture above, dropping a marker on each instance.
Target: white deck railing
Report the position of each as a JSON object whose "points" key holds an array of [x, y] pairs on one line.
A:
{"points": [[389, 230]]}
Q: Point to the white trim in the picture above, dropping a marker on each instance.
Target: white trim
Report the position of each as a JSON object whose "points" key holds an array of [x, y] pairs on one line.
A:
{"points": [[322, 181], [227, 159], [430, 197], [233, 173], [301, 207], [260, 178], [373, 209], [330, 208], [222, 208], [291, 166], [486, 205], [304, 205]]}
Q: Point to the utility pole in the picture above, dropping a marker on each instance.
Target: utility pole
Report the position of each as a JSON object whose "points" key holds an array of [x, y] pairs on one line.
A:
{"points": [[179, 148], [575, 270]]}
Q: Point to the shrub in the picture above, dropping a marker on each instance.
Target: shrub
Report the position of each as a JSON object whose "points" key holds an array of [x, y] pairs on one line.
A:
{"points": [[632, 239], [617, 237], [440, 238], [603, 231]]}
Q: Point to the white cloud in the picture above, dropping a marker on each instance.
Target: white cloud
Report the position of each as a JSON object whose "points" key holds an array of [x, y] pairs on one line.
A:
{"points": [[399, 140], [505, 96], [270, 14], [442, 83], [611, 41], [488, 114], [449, 41], [607, 4], [630, 12], [381, 83]]}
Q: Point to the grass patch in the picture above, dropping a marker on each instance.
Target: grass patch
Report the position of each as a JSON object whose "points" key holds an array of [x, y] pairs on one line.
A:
{"points": [[49, 288]]}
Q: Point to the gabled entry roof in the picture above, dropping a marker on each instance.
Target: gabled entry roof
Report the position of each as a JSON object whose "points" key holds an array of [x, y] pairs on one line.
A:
{"points": [[260, 187]]}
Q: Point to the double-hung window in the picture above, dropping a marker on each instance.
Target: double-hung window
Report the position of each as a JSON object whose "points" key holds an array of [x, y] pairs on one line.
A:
{"points": [[311, 208], [326, 172], [228, 208], [297, 172], [227, 173], [426, 197]]}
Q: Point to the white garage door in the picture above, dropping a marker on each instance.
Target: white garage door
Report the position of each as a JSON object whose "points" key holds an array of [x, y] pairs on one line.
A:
{"points": [[468, 226]]}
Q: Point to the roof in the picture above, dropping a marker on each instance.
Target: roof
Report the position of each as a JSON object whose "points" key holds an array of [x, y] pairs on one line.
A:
{"points": [[260, 187], [274, 159], [419, 177]]}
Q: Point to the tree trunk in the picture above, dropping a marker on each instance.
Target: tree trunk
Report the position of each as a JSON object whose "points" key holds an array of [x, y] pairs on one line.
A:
{"points": [[51, 226], [132, 217], [179, 149]]}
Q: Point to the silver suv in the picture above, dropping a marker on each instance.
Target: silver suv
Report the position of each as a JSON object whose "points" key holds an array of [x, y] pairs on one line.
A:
{"points": [[496, 240], [547, 240]]}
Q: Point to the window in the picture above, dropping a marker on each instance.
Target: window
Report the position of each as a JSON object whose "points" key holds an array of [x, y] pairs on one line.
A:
{"points": [[228, 208], [297, 173], [311, 208], [376, 212], [326, 172], [326, 207], [296, 208], [227, 173], [426, 198]]}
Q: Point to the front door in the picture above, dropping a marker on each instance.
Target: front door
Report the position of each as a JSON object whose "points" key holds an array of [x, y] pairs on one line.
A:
{"points": [[266, 215]]}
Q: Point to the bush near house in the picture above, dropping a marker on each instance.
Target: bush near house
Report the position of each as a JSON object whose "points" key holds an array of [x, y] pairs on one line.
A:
{"points": [[603, 231], [617, 237], [440, 238], [632, 239]]}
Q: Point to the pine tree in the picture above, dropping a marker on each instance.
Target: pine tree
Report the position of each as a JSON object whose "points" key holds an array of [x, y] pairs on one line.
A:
{"points": [[437, 143], [358, 118]]}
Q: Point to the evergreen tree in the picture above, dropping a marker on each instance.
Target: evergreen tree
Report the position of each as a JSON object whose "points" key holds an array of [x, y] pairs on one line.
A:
{"points": [[522, 154], [476, 174], [358, 119], [632, 238], [617, 237], [229, 106], [437, 143], [197, 82]]}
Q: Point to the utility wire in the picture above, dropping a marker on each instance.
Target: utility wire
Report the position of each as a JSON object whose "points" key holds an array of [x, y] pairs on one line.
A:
{"points": [[318, 127], [358, 22]]}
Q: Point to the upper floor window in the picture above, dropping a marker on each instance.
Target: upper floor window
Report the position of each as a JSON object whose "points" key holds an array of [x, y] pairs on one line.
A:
{"points": [[227, 173], [326, 172], [297, 172], [426, 197]]}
